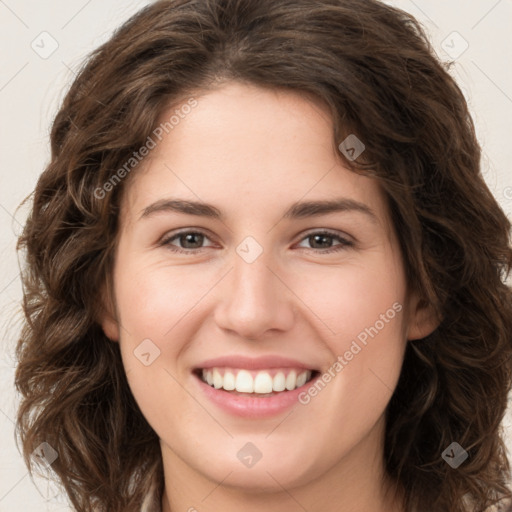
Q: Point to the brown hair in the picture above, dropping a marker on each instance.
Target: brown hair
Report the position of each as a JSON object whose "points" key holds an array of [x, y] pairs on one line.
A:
{"points": [[373, 66]]}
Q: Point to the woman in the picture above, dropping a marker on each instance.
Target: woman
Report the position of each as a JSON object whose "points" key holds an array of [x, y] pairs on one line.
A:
{"points": [[189, 346]]}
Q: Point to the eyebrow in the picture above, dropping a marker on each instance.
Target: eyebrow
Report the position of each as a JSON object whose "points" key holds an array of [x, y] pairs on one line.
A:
{"points": [[298, 210]]}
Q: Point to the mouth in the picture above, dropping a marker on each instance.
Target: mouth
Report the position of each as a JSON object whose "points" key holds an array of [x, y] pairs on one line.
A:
{"points": [[262, 383], [254, 387]]}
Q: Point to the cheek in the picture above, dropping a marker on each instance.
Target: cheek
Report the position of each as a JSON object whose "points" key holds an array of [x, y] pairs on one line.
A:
{"points": [[346, 301], [155, 297], [153, 304], [361, 309]]}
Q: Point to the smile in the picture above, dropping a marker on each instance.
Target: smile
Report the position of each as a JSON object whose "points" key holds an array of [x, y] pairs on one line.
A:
{"points": [[258, 383]]}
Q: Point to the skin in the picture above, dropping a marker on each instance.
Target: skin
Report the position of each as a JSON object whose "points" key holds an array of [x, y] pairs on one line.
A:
{"points": [[252, 152]]}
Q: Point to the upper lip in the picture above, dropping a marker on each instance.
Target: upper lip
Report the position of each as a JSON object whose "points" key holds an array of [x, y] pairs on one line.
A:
{"points": [[254, 363]]}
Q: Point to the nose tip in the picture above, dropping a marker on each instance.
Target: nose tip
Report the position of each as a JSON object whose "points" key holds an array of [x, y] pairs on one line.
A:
{"points": [[253, 301]]}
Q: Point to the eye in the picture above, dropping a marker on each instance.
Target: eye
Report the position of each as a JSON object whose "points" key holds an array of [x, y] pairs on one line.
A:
{"points": [[323, 241], [191, 242]]}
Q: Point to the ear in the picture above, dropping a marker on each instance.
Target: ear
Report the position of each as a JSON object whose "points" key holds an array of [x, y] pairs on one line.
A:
{"points": [[422, 319], [106, 315]]}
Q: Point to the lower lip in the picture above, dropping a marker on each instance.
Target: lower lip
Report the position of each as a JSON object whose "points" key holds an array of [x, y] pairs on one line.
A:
{"points": [[253, 407]]}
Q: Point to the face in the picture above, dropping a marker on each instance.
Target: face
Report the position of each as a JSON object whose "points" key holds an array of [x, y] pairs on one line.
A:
{"points": [[297, 315]]}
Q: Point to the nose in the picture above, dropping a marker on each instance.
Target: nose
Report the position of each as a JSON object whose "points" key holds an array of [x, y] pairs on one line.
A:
{"points": [[254, 300]]}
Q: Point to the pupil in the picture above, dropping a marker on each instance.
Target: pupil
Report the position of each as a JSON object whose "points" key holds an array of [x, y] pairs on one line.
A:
{"points": [[189, 238], [321, 238]]}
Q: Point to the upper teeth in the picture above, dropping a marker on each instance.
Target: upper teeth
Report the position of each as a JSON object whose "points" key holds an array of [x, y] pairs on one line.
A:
{"points": [[245, 381]]}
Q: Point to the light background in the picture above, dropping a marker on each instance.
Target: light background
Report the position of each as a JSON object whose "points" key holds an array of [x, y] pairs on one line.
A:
{"points": [[31, 88]]}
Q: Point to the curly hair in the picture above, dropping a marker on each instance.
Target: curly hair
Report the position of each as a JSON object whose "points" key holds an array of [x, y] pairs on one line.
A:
{"points": [[374, 68]]}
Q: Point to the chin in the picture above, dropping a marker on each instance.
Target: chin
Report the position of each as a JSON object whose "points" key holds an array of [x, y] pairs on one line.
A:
{"points": [[269, 474]]}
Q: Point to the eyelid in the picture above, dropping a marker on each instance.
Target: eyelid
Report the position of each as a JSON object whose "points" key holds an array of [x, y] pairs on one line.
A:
{"points": [[326, 231]]}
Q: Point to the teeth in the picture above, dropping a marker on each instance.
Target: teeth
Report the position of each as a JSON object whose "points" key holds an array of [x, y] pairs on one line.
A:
{"points": [[301, 379], [244, 382], [291, 381], [229, 381], [260, 382], [279, 382], [263, 383], [218, 381]]}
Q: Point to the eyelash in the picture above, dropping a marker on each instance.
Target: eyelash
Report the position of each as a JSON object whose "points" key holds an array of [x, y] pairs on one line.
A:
{"points": [[344, 243]]}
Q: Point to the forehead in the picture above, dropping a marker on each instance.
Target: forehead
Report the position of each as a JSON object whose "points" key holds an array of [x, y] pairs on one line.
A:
{"points": [[248, 149]]}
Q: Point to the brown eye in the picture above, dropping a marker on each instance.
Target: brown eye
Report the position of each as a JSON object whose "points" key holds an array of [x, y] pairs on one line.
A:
{"points": [[320, 241], [187, 242], [191, 240], [323, 241]]}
